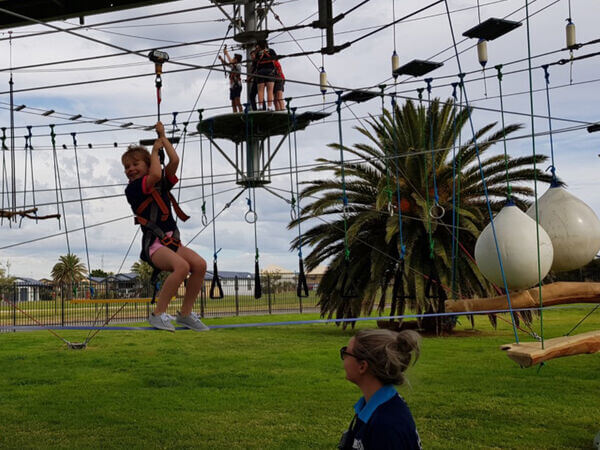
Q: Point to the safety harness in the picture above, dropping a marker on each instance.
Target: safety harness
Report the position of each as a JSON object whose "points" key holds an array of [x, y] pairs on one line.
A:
{"points": [[159, 211]]}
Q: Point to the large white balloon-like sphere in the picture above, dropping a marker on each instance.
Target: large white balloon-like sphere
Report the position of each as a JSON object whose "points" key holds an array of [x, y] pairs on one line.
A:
{"points": [[517, 241], [572, 226]]}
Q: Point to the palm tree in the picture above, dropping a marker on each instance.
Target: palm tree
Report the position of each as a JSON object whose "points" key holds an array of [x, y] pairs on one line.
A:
{"points": [[400, 141], [70, 271]]}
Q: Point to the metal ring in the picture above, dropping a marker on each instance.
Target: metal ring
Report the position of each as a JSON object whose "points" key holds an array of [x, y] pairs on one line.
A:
{"points": [[250, 216], [390, 209], [204, 220], [437, 211], [293, 214]]}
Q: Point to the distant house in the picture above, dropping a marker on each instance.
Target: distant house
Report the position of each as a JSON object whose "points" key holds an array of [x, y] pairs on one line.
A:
{"points": [[26, 290], [230, 281], [121, 285], [313, 278]]}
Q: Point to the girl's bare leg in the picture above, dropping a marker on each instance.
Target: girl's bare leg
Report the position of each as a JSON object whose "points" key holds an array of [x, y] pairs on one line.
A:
{"points": [[166, 259], [197, 266]]}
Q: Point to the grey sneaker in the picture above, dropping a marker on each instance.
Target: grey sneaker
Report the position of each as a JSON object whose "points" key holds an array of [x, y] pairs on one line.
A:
{"points": [[162, 321], [191, 321]]}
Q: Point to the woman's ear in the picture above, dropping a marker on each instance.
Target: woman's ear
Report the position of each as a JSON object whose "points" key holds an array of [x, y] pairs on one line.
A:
{"points": [[363, 366]]}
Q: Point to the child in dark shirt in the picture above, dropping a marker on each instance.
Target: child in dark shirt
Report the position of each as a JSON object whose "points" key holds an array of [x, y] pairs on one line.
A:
{"points": [[163, 248], [235, 79]]}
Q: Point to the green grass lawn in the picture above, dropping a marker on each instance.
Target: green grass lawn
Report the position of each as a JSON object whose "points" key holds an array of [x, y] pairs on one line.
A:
{"points": [[284, 387]]}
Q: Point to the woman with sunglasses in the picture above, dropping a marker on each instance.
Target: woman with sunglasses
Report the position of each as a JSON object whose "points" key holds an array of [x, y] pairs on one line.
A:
{"points": [[375, 360]]}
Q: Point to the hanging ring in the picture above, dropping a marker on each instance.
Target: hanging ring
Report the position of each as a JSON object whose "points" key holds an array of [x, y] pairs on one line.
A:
{"points": [[437, 211], [390, 209], [204, 220], [293, 214], [250, 216]]}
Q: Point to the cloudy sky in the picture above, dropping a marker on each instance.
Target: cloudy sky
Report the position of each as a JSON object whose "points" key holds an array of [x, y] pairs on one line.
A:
{"points": [[32, 248]]}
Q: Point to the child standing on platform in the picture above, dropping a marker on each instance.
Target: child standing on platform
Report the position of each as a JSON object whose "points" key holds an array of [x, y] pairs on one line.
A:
{"points": [[235, 79]]}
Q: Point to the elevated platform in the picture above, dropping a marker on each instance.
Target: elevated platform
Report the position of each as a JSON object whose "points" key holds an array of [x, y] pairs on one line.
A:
{"points": [[561, 293], [531, 353], [492, 29], [261, 124]]}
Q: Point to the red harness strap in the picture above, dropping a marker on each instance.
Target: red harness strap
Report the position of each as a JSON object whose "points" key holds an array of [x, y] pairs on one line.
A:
{"points": [[164, 209], [183, 216]]}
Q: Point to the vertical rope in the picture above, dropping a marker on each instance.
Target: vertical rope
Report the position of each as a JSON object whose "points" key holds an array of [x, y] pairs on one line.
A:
{"points": [[185, 124], [338, 103], [431, 147], [212, 193], [299, 210], [508, 188], [461, 77], [31, 167], [4, 171], [401, 246], [293, 215], [554, 182], [535, 191], [454, 211], [483, 182], [25, 176], [394, 22], [87, 253], [386, 161], [58, 187]]}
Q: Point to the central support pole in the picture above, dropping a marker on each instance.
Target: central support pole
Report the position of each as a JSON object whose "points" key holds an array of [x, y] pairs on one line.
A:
{"points": [[253, 145]]}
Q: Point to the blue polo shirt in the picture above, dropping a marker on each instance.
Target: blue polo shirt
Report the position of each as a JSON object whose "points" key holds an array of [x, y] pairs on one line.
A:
{"points": [[384, 422]]}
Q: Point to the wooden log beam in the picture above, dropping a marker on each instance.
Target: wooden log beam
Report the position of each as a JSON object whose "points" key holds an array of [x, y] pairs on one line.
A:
{"points": [[560, 293], [531, 353]]}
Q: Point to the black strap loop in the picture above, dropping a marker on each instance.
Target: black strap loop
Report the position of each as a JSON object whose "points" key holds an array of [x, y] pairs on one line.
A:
{"points": [[257, 285], [302, 287], [216, 291]]}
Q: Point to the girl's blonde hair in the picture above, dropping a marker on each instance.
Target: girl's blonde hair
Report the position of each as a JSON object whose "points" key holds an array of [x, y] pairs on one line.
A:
{"points": [[136, 152], [389, 353]]}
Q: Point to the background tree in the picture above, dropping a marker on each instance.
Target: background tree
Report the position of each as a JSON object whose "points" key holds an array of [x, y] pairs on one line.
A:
{"points": [[6, 281], [68, 271], [401, 142], [100, 273], [143, 270]]}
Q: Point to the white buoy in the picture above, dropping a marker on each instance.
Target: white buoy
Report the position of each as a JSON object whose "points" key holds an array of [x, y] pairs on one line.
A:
{"points": [[572, 226], [323, 81], [482, 53], [517, 241], [570, 32], [395, 64]]}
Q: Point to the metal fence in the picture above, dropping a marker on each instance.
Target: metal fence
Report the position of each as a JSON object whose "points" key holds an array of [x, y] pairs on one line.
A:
{"points": [[121, 301]]}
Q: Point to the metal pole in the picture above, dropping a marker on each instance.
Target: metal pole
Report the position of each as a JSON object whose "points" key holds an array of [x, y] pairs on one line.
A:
{"points": [[237, 299], [250, 25], [269, 292]]}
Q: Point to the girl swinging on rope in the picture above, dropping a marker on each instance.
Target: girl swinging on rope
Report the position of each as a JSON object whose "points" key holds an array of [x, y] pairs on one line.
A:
{"points": [[148, 193]]}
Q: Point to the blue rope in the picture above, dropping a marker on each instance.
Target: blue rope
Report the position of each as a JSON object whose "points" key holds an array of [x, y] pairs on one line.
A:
{"points": [[483, 182], [298, 209], [291, 322], [212, 190], [431, 144], [454, 212], [338, 103], [552, 168], [402, 248]]}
